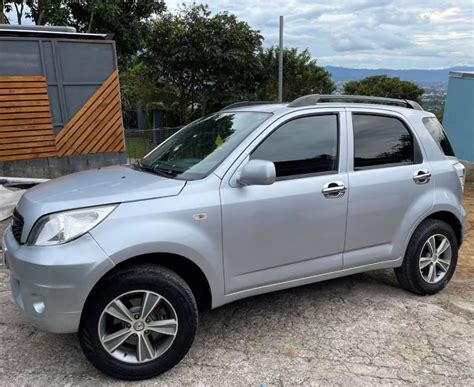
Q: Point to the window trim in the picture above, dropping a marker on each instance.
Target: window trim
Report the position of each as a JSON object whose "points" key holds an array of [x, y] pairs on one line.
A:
{"points": [[417, 155], [306, 175]]}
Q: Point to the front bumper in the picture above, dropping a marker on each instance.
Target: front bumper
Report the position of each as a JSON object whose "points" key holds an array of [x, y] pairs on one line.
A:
{"points": [[50, 284]]}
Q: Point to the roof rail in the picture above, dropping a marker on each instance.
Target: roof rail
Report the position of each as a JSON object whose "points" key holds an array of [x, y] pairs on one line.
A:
{"points": [[314, 99], [247, 103]]}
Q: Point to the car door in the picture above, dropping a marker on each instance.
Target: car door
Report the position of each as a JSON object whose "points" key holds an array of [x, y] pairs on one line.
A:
{"points": [[390, 187], [295, 227]]}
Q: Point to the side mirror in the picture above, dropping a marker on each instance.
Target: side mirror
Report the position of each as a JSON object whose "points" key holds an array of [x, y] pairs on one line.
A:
{"points": [[257, 172]]}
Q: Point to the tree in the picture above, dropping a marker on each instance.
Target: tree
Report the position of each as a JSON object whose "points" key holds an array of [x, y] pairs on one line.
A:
{"points": [[19, 8], [301, 75], [139, 91], [42, 12], [127, 20], [439, 112], [384, 86], [208, 60], [8, 6], [52, 12]]}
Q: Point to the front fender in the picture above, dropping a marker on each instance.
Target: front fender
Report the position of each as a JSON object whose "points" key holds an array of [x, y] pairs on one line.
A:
{"points": [[158, 226]]}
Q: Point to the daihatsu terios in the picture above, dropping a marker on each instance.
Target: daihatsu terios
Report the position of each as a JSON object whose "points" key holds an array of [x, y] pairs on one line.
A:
{"points": [[251, 199]]}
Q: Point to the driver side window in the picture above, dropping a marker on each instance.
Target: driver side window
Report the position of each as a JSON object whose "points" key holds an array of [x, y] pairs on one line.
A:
{"points": [[302, 147]]}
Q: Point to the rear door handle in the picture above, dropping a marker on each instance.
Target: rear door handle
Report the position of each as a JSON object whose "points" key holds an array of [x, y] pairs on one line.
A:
{"points": [[422, 176], [334, 189]]}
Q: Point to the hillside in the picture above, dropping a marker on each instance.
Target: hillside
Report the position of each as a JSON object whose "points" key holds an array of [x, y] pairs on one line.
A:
{"points": [[342, 74]]}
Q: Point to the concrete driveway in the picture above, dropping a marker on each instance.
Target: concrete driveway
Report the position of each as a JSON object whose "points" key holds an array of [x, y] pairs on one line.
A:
{"points": [[357, 330]]}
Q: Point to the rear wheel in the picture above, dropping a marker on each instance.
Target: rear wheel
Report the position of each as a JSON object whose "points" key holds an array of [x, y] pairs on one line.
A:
{"points": [[138, 323], [430, 259]]}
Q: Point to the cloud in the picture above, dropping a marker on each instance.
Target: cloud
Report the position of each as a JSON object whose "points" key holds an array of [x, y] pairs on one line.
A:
{"points": [[353, 43], [366, 33]]}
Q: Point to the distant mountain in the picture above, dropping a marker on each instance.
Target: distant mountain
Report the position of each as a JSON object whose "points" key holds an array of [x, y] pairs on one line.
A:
{"points": [[343, 74]]}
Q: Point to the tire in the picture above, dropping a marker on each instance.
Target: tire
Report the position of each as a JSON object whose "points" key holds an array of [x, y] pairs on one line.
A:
{"points": [[421, 280], [176, 305]]}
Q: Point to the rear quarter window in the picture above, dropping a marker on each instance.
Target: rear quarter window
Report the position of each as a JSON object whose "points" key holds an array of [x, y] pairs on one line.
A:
{"points": [[437, 132]]}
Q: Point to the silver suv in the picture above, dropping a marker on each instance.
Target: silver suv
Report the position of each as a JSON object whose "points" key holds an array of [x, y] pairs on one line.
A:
{"points": [[255, 198]]}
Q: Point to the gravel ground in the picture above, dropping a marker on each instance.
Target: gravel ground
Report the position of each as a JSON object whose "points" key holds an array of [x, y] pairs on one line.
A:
{"points": [[356, 330]]}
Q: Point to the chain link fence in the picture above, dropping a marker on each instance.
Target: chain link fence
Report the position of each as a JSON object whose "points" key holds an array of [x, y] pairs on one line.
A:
{"points": [[138, 142]]}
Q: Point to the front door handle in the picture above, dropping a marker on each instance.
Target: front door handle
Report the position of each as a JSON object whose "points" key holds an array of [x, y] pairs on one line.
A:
{"points": [[334, 189], [422, 176]]}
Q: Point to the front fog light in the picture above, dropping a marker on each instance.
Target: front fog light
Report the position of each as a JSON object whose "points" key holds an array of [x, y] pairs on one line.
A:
{"points": [[39, 307]]}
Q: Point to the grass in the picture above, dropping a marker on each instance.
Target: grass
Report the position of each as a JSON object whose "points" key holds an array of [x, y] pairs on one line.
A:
{"points": [[137, 147], [139, 142]]}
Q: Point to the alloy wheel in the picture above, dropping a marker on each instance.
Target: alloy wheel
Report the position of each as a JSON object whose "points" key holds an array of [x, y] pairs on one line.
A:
{"points": [[138, 326], [435, 258]]}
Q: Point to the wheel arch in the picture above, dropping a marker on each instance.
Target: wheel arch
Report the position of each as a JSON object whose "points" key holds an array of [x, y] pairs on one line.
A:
{"points": [[444, 215], [191, 273], [451, 219]]}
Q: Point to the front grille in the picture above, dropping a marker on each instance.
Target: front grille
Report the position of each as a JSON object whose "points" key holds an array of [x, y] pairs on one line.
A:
{"points": [[17, 225]]}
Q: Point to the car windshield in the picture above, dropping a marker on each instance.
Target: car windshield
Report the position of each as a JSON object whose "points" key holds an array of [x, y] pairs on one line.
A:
{"points": [[198, 148]]}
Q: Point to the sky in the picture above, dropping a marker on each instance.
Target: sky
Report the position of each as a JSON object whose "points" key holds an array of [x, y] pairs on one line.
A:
{"points": [[395, 34]]}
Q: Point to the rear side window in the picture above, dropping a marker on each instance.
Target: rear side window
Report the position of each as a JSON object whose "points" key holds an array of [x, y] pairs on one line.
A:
{"points": [[303, 146], [438, 134], [381, 141]]}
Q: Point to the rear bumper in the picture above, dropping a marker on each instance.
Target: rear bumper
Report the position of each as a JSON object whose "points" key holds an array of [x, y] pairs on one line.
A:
{"points": [[50, 284]]}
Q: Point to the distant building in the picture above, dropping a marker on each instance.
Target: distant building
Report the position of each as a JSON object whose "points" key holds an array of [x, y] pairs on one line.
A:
{"points": [[458, 118]]}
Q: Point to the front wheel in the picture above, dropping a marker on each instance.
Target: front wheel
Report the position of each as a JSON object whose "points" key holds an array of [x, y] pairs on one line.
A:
{"points": [[430, 259], [138, 323]]}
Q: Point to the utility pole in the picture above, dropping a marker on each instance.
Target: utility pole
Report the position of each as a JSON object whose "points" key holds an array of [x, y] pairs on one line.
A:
{"points": [[280, 64]]}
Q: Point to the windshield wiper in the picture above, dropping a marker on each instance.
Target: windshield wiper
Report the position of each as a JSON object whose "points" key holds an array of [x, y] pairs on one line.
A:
{"points": [[138, 164], [162, 171], [165, 171]]}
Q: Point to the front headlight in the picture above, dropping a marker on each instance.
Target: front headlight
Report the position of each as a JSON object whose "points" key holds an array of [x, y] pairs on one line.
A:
{"points": [[65, 226]]}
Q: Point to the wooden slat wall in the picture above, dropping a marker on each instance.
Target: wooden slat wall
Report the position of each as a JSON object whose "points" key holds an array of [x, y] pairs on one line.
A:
{"points": [[26, 128], [97, 127]]}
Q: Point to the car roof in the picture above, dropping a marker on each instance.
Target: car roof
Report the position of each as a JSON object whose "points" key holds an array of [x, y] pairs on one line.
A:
{"points": [[263, 107], [284, 108], [315, 101]]}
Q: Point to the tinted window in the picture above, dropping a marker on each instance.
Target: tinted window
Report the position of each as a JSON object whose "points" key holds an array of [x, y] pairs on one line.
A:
{"points": [[380, 141], [438, 134], [302, 146]]}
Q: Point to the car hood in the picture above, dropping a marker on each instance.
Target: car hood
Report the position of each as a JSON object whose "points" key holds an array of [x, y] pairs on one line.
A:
{"points": [[95, 187]]}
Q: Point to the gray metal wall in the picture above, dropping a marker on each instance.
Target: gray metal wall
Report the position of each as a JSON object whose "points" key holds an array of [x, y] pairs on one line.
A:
{"points": [[74, 69]]}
